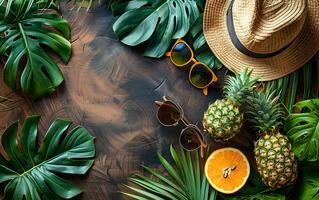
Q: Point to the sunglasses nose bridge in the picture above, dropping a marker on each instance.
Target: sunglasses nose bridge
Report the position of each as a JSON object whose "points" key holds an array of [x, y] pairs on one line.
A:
{"points": [[184, 121]]}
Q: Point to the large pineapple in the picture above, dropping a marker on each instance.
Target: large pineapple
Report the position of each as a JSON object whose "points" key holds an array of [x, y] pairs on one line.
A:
{"points": [[224, 118], [275, 160]]}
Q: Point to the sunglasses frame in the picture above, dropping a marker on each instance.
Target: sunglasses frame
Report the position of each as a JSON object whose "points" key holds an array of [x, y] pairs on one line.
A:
{"points": [[182, 119], [199, 136], [181, 112], [192, 59]]}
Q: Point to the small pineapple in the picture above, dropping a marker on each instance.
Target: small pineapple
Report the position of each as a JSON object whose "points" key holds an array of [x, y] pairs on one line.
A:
{"points": [[224, 118], [275, 160]]}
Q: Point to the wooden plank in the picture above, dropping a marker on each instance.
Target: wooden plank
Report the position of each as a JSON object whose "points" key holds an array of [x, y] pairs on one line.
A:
{"points": [[110, 89]]}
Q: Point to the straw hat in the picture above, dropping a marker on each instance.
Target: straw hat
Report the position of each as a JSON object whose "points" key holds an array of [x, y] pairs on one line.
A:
{"points": [[272, 37]]}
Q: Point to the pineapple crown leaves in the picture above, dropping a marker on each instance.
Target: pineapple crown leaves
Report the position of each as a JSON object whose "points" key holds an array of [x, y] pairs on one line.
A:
{"points": [[264, 111], [239, 87]]}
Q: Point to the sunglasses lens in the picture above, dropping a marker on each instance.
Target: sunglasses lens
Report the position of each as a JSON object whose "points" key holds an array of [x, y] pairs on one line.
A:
{"points": [[168, 114], [189, 139], [200, 76], [181, 54]]}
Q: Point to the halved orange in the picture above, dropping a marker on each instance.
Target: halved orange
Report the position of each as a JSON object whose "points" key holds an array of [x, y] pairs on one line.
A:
{"points": [[227, 170]]}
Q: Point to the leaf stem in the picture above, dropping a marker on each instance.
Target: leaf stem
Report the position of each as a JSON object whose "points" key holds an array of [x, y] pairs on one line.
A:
{"points": [[25, 41]]}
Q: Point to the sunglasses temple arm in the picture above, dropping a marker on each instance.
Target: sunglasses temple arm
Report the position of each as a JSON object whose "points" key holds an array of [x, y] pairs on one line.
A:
{"points": [[168, 54], [201, 151], [202, 141], [202, 146], [205, 91]]}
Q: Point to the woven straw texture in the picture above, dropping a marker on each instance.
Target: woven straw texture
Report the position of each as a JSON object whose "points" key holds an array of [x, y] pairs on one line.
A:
{"points": [[264, 26]]}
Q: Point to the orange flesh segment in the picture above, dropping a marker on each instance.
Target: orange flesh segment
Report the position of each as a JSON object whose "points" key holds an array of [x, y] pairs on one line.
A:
{"points": [[221, 159]]}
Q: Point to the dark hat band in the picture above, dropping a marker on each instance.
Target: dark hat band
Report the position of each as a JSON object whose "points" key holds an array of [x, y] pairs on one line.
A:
{"points": [[236, 42]]}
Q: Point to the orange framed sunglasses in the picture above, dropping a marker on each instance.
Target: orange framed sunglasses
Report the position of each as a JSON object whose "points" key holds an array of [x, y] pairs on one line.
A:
{"points": [[200, 75]]}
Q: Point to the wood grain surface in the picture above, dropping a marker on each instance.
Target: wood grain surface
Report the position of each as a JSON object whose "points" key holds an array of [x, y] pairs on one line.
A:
{"points": [[110, 89]]}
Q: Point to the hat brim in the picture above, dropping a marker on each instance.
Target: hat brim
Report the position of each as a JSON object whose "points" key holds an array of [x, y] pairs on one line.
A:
{"points": [[303, 48]]}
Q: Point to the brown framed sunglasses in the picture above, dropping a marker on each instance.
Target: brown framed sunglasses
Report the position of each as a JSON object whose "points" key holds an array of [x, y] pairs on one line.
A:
{"points": [[170, 114], [200, 75]]}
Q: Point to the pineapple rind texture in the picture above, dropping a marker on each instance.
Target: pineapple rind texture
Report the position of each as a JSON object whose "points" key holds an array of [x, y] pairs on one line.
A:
{"points": [[275, 160], [223, 120]]}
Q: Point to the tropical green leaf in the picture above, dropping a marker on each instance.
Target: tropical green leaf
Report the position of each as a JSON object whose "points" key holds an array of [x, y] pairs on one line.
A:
{"points": [[283, 84], [184, 180], [155, 22], [317, 69], [255, 189], [293, 88], [259, 197], [254, 184], [301, 84], [307, 76], [307, 186], [303, 130], [27, 28], [202, 51], [29, 172]]}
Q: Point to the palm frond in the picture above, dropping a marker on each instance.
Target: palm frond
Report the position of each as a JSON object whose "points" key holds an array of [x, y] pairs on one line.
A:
{"points": [[317, 69], [26, 5], [301, 84], [184, 180]]}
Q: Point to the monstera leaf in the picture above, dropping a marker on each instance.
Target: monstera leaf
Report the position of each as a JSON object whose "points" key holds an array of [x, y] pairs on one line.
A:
{"points": [[202, 51], [29, 172], [155, 22], [303, 130], [307, 186], [27, 29]]}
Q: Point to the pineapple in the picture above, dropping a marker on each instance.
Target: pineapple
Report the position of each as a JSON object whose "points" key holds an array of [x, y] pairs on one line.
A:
{"points": [[224, 118], [275, 160]]}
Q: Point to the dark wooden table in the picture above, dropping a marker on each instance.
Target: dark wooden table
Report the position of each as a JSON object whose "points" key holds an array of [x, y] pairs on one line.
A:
{"points": [[110, 89]]}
